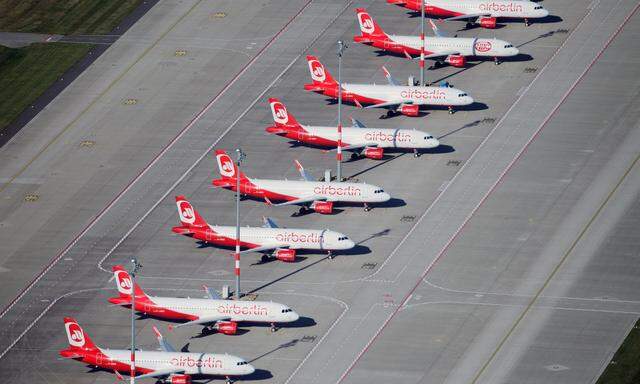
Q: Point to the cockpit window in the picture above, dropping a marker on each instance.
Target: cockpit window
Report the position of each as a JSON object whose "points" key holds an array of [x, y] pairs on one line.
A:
{"points": [[428, 137], [286, 310], [538, 7], [378, 191], [342, 238], [462, 94], [242, 363], [509, 46]]}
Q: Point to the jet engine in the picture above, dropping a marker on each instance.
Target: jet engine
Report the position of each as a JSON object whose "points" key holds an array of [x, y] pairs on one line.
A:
{"points": [[324, 207], [287, 255], [180, 379], [227, 327], [374, 153], [457, 61], [488, 22], [410, 110]]}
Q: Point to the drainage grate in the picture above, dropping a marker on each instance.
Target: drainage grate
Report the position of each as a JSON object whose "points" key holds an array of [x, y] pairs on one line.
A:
{"points": [[530, 70], [308, 338], [130, 102], [87, 143], [407, 219], [454, 163], [31, 197], [180, 52], [368, 265]]}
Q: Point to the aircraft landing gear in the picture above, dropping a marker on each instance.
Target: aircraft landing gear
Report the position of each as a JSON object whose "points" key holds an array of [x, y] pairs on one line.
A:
{"points": [[367, 207], [416, 154], [330, 255], [354, 156], [273, 327], [496, 61], [228, 380], [304, 209], [451, 111], [469, 25], [526, 22]]}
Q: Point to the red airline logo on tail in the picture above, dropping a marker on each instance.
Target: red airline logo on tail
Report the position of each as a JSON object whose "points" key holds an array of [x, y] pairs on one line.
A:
{"points": [[279, 112], [226, 165], [75, 334], [317, 70], [124, 282], [366, 24], [186, 212]]}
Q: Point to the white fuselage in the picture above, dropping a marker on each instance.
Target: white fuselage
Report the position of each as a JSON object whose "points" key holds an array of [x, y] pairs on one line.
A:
{"points": [[496, 8], [381, 137], [441, 96], [465, 46], [192, 363], [292, 238], [330, 191], [237, 310]]}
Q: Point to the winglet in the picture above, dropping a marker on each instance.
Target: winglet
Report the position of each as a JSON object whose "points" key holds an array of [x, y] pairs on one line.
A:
{"points": [[390, 78], [211, 294], [164, 344], [267, 201], [269, 223], [303, 173], [119, 376]]}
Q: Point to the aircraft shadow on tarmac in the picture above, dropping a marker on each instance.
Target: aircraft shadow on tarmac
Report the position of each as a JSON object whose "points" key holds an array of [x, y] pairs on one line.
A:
{"points": [[288, 344]]}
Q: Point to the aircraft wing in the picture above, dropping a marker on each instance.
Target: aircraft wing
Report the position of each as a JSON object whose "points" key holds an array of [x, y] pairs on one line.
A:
{"points": [[203, 320], [441, 54], [469, 16], [387, 104], [357, 123], [352, 147], [164, 344], [161, 373], [302, 200], [437, 30], [266, 247]]}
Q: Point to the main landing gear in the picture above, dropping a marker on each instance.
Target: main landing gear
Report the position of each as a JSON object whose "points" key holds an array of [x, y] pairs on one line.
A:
{"points": [[354, 156], [304, 209], [469, 25]]}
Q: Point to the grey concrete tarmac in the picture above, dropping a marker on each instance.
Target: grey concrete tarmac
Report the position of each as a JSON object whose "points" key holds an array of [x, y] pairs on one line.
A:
{"points": [[492, 306]]}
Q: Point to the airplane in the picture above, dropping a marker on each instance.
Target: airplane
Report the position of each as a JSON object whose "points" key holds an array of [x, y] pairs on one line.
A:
{"points": [[213, 313], [444, 49], [484, 12], [309, 194], [359, 140], [396, 98], [167, 365], [282, 241]]}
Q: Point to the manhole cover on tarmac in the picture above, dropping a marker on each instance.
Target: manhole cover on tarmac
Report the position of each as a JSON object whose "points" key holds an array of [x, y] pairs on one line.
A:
{"points": [[556, 367], [130, 102], [31, 197]]}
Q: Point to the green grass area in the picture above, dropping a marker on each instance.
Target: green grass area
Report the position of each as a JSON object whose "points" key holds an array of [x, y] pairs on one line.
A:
{"points": [[65, 17], [624, 368], [25, 73]]}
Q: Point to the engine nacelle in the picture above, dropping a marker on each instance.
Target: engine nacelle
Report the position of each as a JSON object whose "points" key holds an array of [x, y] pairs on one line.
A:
{"points": [[324, 207], [457, 61], [180, 379], [374, 153], [227, 327], [286, 255], [488, 22], [410, 110]]}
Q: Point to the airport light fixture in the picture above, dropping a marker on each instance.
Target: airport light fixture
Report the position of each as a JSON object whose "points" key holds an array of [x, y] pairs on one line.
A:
{"points": [[424, 4], [135, 267], [341, 47], [239, 158]]}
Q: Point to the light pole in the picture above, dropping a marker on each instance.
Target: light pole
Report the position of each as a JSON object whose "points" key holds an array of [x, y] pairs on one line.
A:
{"points": [[239, 157], [134, 269], [341, 48], [423, 5]]}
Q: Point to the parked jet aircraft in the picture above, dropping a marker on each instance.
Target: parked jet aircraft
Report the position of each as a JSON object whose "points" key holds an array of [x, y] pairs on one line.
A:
{"points": [[443, 49], [405, 99], [359, 140], [309, 194], [213, 313], [485, 12], [282, 241], [168, 365]]}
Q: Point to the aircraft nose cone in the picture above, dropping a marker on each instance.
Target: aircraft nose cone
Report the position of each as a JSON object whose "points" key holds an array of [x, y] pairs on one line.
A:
{"points": [[544, 13], [514, 51], [468, 100], [293, 316], [249, 369], [433, 143], [385, 197], [349, 244]]}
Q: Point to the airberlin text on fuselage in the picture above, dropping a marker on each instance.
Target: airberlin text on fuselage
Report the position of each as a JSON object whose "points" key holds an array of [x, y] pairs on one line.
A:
{"points": [[298, 238], [511, 7], [337, 191], [429, 94], [234, 309], [400, 137], [208, 362]]}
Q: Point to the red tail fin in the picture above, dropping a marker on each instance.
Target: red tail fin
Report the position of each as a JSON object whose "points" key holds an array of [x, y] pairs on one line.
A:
{"points": [[76, 336], [189, 217], [228, 169], [319, 74], [123, 283], [368, 26], [281, 116]]}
